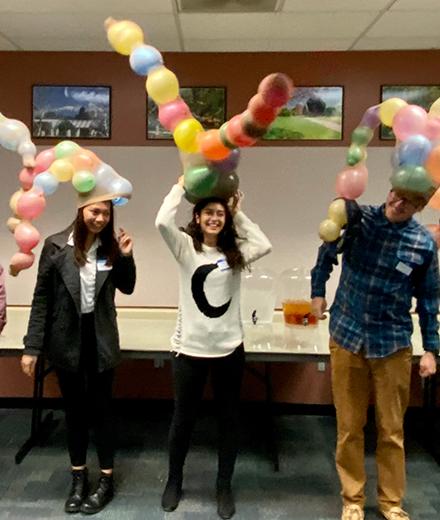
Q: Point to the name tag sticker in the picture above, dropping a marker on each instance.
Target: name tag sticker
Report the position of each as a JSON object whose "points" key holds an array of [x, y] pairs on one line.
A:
{"points": [[403, 268], [223, 264], [102, 266]]}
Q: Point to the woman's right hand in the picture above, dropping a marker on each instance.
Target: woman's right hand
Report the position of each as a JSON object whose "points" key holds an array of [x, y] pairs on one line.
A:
{"points": [[28, 364], [319, 305]]}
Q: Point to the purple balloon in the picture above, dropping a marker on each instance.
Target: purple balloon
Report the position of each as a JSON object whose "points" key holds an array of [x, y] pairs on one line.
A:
{"points": [[371, 117], [229, 164]]}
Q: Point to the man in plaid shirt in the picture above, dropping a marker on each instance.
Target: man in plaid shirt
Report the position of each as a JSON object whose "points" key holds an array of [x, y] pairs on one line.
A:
{"points": [[2, 300], [388, 261]]}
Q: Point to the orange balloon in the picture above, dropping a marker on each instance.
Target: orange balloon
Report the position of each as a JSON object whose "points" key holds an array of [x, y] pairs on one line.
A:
{"points": [[85, 160], [432, 164], [434, 229], [434, 201], [212, 147]]}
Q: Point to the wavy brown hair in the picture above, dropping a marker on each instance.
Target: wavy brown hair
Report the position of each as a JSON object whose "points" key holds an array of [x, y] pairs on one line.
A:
{"points": [[227, 238], [109, 245]]}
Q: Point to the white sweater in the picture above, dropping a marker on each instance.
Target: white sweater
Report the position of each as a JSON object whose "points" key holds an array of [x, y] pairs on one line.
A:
{"points": [[209, 321]]}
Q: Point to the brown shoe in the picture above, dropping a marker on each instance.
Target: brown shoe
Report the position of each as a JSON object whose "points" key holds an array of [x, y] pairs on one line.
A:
{"points": [[395, 513], [352, 512]]}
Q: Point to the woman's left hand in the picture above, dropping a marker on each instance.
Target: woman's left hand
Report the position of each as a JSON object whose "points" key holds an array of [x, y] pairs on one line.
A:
{"points": [[125, 242], [234, 202]]}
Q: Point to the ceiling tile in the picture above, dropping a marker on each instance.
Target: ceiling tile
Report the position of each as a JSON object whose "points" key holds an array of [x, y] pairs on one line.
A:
{"points": [[389, 43], [300, 6], [415, 5], [7, 45], [104, 7], [406, 24]]}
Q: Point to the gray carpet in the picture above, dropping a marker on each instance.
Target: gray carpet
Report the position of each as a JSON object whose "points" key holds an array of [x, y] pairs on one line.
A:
{"points": [[305, 488]]}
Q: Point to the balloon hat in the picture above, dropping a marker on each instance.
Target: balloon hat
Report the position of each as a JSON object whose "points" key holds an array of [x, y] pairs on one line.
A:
{"points": [[15, 136], [209, 158], [415, 159], [94, 181]]}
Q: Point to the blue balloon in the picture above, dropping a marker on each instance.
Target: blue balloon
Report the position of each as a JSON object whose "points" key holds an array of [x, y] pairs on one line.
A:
{"points": [[144, 58], [120, 201], [414, 150], [46, 182]]}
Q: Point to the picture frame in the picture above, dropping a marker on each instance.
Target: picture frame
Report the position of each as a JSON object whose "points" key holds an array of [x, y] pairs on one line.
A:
{"points": [[71, 111], [207, 104], [422, 95], [313, 113]]}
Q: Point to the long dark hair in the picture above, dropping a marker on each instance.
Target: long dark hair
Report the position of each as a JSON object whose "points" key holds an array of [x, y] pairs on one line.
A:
{"points": [[227, 238], [109, 246]]}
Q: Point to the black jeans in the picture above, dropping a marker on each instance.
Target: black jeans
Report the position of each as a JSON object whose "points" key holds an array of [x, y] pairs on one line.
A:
{"points": [[190, 375], [87, 396]]}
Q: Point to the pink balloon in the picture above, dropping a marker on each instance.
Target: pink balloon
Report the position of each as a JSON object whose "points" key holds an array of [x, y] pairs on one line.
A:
{"points": [[30, 204], [276, 89], [43, 160], [26, 178], [235, 133], [432, 131], [26, 236], [351, 182], [20, 261], [410, 120], [170, 114]]}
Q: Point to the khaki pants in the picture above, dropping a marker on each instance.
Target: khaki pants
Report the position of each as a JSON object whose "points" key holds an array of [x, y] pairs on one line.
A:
{"points": [[353, 379]]}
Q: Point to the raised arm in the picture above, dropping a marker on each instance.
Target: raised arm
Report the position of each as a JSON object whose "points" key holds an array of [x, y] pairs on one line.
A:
{"points": [[253, 243], [166, 221], [2, 299]]}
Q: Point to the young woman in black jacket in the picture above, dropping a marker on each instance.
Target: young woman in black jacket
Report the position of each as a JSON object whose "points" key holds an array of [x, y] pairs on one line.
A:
{"points": [[73, 322]]}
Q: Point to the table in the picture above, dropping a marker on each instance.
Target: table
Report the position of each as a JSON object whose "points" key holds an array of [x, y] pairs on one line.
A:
{"points": [[145, 334]]}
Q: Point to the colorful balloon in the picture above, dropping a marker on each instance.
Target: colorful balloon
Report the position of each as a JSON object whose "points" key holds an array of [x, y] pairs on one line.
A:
{"points": [[276, 89], [371, 117], [84, 160], [432, 130], [337, 212], [26, 178], [83, 181], [46, 182], [351, 182], [434, 111], [250, 128], [412, 178], [20, 261], [261, 113], [162, 85], [13, 200], [12, 223], [329, 230], [145, 58], [124, 35], [414, 150], [389, 108], [44, 159], [229, 164], [434, 229], [200, 181], [211, 146], [62, 169], [235, 133], [362, 135], [432, 164], [186, 133], [26, 236], [409, 120], [356, 154], [434, 201], [66, 149], [30, 205], [172, 113], [227, 185]]}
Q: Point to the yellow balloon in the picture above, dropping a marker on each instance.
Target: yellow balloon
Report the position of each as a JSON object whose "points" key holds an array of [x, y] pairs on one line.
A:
{"points": [[337, 212], [62, 169], [329, 231], [389, 108], [185, 135], [435, 108], [12, 223], [162, 85], [13, 201], [124, 36]]}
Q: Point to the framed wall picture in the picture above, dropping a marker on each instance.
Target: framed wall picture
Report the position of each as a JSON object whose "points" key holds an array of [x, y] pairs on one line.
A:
{"points": [[207, 104], [71, 112], [422, 95], [312, 113]]}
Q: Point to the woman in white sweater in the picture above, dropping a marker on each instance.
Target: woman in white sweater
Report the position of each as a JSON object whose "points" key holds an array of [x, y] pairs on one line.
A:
{"points": [[211, 252]]}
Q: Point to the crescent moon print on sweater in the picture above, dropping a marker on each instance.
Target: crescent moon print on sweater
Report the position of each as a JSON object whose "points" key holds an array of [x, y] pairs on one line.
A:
{"points": [[208, 320], [198, 292]]}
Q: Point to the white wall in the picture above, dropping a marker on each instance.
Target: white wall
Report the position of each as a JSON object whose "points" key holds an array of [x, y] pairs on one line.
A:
{"points": [[287, 192]]}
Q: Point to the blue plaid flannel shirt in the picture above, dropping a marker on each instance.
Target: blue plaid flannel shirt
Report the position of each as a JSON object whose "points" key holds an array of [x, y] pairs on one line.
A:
{"points": [[385, 265]]}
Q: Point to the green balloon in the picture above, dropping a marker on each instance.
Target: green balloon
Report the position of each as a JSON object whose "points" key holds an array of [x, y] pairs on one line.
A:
{"points": [[223, 138], [355, 154], [227, 185], [412, 178], [199, 181], [66, 149], [362, 135], [84, 181]]}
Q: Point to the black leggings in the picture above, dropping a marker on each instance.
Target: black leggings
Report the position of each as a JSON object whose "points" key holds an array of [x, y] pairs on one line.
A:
{"points": [[190, 375], [87, 396]]}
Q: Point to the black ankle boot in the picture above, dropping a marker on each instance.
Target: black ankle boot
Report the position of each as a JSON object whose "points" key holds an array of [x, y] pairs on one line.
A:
{"points": [[78, 491], [225, 501], [101, 496], [172, 494]]}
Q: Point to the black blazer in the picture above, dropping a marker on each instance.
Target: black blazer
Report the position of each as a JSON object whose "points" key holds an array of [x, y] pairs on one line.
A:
{"points": [[55, 321]]}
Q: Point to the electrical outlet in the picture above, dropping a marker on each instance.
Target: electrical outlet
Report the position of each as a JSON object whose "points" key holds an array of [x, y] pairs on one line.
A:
{"points": [[321, 366]]}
